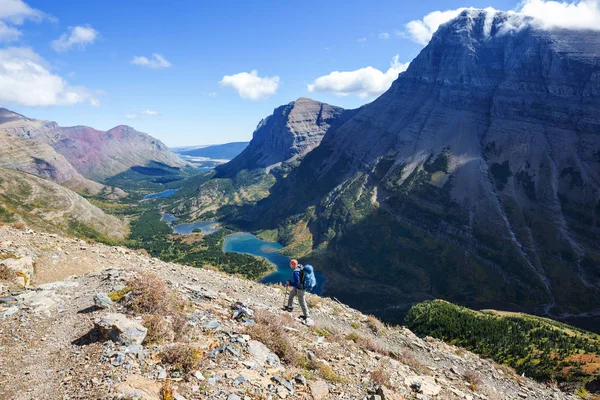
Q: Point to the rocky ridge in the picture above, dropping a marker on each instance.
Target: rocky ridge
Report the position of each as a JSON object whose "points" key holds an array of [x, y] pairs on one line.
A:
{"points": [[291, 132], [61, 337]]}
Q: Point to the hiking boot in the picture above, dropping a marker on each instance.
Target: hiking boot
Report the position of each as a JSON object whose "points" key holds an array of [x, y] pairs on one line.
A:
{"points": [[304, 317], [288, 309]]}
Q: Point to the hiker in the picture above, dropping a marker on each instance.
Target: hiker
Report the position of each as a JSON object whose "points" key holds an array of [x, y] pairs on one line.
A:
{"points": [[303, 279]]}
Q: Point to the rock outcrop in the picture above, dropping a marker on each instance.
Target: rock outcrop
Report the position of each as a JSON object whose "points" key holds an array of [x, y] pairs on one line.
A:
{"points": [[475, 177], [291, 132]]}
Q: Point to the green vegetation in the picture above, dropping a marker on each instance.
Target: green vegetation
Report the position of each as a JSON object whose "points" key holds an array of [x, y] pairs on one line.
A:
{"points": [[537, 347], [149, 233]]}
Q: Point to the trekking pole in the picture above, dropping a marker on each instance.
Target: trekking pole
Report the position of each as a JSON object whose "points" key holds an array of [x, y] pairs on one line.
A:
{"points": [[285, 295]]}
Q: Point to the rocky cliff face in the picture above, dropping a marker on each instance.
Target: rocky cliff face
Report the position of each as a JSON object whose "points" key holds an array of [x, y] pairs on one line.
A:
{"points": [[290, 132], [42, 204], [70, 151], [475, 177]]}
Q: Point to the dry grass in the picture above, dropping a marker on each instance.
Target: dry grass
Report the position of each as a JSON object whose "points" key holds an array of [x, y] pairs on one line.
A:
{"points": [[407, 358], [181, 356], [375, 325], [166, 391], [117, 295], [314, 301], [159, 330], [6, 273], [324, 370], [381, 374], [367, 343], [269, 330], [181, 327], [473, 379], [19, 225], [151, 295]]}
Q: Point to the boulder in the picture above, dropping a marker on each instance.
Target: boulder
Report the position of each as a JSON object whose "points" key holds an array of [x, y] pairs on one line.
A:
{"points": [[428, 386], [120, 329], [262, 354], [102, 300], [319, 390]]}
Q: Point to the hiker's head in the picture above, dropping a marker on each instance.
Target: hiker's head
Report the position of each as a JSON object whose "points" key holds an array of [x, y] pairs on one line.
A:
{"points": [[293, 263]]}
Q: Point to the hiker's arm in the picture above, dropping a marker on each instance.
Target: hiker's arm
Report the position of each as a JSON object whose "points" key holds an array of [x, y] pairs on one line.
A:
{"points": [[296, 276]]}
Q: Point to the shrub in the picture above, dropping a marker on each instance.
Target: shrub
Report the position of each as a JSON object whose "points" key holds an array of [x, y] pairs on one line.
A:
{"points": [[473, 379], [159, 330], [184, 357], [150, 295], [166, 392], [375, 325], [6, 273], [269, 330], [19, 225], [381, 374], [366, 343], [582, 393], [180, 325], [324, 370], [409, 359], [355, 325]]}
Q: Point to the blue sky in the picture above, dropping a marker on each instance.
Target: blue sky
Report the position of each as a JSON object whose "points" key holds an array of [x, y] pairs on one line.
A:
{"points": [[181, 100]]}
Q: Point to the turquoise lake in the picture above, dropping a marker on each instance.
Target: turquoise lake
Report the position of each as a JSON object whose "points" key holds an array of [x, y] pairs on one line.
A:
{"points": [[207, 227], [249, 244]]}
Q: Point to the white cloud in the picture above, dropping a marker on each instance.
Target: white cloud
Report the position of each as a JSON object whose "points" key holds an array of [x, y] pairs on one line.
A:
{"points": [[250, 85], [151, 113], [384, 35], [25, 79], [156, 61], [8, 33], [79, 36], [582, 14], [421, 31], [362, 40], [17, 11], [364, 82]]}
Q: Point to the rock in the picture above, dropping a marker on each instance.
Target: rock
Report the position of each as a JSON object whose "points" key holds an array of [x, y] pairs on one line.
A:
{"points": [[300, 379], [198, 375], [102, 300], [387, 394], [234, 397], [240, 380], [319, 390], [120, 329], [212, 325], [262, 354], [177, 396], [8, 312], [428, 386]]}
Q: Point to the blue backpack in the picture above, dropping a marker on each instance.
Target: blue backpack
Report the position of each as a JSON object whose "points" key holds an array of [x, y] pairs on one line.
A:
{"points": [[308, 278]]}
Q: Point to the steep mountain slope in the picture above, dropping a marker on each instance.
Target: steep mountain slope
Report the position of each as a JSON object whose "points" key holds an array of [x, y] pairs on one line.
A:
{"points": [[42, 204], [290, 132], [278, 144], [475, 177], [19, 150], [99, 155], [95, 154], [177, 328]]}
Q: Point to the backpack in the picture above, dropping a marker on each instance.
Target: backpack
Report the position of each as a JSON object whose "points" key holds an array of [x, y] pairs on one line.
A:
{"points": [[307, 277]]}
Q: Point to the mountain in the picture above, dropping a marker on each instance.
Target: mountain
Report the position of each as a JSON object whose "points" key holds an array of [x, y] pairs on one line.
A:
{"points": [[20, 150], [95, 154], [169, 320], [42, 204], [226, 151], [474, 178], [291, 132], [278, 144]]}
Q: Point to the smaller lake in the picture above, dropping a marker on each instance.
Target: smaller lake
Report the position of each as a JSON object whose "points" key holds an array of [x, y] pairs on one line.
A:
{"points": [[249, 244], [165, 193], [207, 227]]}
